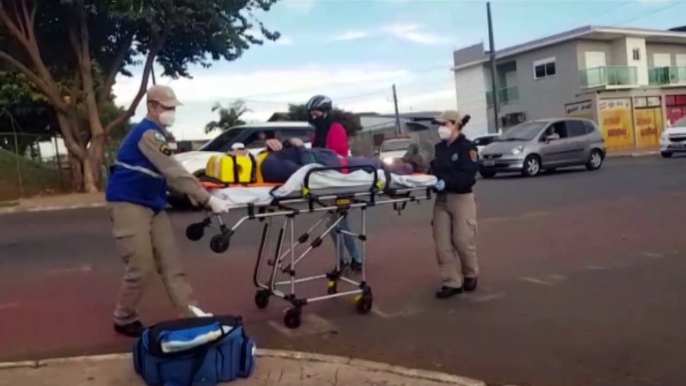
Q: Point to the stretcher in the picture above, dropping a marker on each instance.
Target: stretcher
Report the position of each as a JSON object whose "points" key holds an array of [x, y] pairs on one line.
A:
{"points": [[313, 189]]}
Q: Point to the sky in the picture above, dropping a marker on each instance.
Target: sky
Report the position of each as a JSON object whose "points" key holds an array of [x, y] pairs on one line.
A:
{"points": [[355, 50]]}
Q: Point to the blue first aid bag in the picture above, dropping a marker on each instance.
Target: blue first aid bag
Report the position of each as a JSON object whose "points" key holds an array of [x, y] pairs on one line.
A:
{"points": [[194, 352]]}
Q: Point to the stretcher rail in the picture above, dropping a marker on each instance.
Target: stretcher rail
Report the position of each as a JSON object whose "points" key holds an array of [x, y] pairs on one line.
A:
{"points": [[289, 251]]}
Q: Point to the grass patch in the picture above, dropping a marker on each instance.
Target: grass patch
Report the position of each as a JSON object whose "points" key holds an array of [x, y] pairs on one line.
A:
{"points": [[36, 178]]}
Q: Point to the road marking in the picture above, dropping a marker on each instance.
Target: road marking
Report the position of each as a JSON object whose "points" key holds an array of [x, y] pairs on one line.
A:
{"points": [[7, 306], [485, 298], [311, 325], [652, 255], [407, 313], [555, 277], [68, 271], [535, 281], [595, 267]]}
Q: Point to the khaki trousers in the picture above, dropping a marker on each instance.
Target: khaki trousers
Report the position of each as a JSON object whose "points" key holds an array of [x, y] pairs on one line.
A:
{"points": [[455, 233], [145, 241]]}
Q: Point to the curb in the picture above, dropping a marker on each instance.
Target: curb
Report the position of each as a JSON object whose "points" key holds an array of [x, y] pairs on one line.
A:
{"points": [[434, 376], [641, 154], [20, 209]]}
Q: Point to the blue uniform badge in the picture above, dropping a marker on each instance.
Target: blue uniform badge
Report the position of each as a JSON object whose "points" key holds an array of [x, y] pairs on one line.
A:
{"points": [[474, 155], [455, 157], [160, 138]]}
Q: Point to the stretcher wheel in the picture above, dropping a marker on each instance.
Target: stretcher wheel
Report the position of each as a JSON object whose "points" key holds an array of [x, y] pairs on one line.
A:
{"points": [[262, 299], [292, 318], [219, 243], [194, 232], [332, 288], [363, 303]]}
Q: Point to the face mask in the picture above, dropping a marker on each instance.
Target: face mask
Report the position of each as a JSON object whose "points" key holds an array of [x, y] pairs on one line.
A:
{"points": [[167, 118], [444, 133]]}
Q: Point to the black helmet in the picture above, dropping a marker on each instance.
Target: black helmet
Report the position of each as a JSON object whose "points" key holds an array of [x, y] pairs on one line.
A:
{"points": [[319, 102]]}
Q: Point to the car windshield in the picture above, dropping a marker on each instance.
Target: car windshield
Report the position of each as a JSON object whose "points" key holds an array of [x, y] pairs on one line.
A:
{"points": [[222, 141], [523, 132], [396, 145], [483, 141]]}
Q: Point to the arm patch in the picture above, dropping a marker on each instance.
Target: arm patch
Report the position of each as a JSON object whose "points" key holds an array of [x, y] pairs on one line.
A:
{"points": [[164, 149]]}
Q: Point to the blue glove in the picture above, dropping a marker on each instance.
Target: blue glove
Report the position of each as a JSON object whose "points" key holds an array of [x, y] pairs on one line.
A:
{"points": [[440, 185]]}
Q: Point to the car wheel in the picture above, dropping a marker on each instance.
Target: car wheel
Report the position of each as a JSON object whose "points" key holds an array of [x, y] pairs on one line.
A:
{"points": [[666, 154], [595, 161], [487, 175], [532, 166]]}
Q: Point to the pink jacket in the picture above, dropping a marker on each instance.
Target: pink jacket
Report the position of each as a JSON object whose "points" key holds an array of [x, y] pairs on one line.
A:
{"points": [[337, 140]]}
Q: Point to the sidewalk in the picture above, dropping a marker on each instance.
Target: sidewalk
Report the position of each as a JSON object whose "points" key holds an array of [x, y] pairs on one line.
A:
{"points": [[634, 152], [283, 368], [60, 202]]}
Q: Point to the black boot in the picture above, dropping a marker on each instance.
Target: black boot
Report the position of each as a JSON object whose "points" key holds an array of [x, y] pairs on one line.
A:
{"points": [[356, 267], [470, 284], [448, 292], [132, 330]]}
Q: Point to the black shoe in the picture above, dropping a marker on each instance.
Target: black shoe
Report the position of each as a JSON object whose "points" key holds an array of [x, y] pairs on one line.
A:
{"points": [[132, 330], [448, 292], [345, 267], [469, 284], [356, 267]]}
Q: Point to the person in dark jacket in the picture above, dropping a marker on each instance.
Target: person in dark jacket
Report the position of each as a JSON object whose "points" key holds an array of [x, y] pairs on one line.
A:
{"points": [[455, 164]]}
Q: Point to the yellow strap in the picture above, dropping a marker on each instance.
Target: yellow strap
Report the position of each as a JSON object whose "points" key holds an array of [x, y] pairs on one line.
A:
{"points": [[258, 173]]}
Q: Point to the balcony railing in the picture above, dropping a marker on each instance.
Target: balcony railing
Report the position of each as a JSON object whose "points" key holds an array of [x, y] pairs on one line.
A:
{"points": [[505, 95], [659, 76], [609, 76]]}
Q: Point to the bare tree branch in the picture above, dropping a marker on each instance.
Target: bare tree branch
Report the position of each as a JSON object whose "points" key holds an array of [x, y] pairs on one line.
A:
{"points": [[42, 85], [114, 70], [141, 90], [16, 13]]}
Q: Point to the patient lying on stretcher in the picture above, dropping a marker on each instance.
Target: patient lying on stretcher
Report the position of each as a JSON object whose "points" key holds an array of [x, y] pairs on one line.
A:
{"points": [[277, 166]]}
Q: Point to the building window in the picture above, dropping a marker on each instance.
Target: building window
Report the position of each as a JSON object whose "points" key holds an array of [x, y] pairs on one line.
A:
{"points": [[637, 54], [544, 68]]}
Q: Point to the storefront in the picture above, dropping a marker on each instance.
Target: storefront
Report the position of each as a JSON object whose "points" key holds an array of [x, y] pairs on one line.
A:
{"points": [[648, 121], [616, 124], [676, 107]]}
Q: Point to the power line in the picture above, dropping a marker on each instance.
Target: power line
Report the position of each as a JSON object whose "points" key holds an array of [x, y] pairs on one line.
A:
{"points": [[650, 13]]}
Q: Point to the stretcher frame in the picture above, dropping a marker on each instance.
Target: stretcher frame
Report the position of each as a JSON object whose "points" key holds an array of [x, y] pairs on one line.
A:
{"points": [[336, 205]]}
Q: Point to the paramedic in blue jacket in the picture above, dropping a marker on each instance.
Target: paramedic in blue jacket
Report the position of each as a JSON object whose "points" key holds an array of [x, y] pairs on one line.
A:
{"points": [[136, 194]]}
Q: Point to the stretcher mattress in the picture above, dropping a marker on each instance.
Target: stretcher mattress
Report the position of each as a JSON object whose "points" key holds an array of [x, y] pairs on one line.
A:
{"points": [[320, 183]]}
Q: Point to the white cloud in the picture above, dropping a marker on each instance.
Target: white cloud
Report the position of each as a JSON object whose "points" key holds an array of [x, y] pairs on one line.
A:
{"points": [[410, 32], [284, 41], [353, 35], [302, 7], [414, 33]]}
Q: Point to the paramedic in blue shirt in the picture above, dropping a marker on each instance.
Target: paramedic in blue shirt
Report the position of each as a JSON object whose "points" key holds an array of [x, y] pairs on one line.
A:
{"points": [[136, 194]]}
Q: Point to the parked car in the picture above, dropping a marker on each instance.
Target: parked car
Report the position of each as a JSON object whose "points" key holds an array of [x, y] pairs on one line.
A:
{"points": [[484, 140], [673, 139], [252, 136], [547, 144], [391, 149]]}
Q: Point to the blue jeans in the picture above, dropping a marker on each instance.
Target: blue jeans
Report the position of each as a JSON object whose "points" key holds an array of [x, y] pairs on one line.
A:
{"points": [[348, 241]]}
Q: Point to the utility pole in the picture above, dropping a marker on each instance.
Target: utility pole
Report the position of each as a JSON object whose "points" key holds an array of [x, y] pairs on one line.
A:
{"points": [[493, 67], [397, 114]]}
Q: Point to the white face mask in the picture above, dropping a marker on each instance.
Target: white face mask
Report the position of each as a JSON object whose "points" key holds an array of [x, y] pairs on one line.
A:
{"points": [[167, 118], [444, 133]]}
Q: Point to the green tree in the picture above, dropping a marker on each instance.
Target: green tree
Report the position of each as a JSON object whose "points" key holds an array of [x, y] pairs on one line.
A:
{"points": [[73, 50], [228, 117], [350, 121]]}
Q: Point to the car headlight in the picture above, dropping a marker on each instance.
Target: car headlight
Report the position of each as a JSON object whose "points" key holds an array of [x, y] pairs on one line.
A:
{"points": [[517, 150], [388, 160]]}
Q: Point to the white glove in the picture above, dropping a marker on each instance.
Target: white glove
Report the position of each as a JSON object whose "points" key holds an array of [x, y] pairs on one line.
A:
{"points": [[218, 205], [440, 185], [198, 312]]}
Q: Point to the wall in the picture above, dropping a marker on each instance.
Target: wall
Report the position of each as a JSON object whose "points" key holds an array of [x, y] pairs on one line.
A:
{"points": [[584, 46], [470, 88], [546, 97], [672, 49], [468, 54]]}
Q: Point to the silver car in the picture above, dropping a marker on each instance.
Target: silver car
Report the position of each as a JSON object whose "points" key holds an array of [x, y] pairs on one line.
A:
{"points": [[545, 144]]}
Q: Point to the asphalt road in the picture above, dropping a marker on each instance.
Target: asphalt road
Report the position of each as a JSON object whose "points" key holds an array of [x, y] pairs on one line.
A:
{"points": [[582, 283]]}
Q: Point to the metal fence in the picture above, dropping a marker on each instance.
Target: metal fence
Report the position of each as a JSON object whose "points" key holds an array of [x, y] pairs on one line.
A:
{"points": [[37, 164]]}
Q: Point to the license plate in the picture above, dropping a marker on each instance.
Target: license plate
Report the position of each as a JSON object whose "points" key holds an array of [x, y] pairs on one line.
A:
{"points": [[677, 146], [489, 163]]}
